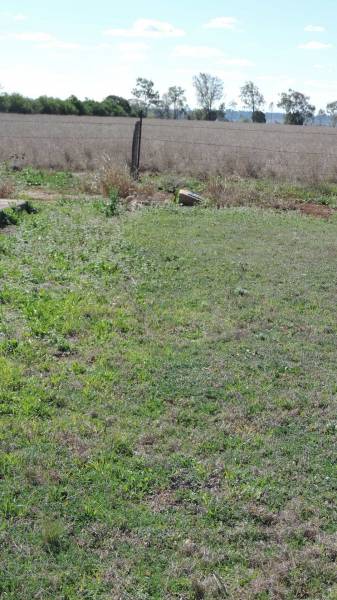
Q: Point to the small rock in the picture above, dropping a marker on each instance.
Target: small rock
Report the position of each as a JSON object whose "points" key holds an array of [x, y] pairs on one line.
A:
{"points": [[189, 547], [188, 198]]}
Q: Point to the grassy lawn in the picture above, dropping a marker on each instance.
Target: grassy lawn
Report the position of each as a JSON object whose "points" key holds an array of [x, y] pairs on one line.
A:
{"points": [[168, 398]]}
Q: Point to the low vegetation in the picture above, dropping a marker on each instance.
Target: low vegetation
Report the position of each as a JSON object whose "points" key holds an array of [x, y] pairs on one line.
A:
{"points": [[217, 191], [110, 106], [168, 402], [7, 181]]}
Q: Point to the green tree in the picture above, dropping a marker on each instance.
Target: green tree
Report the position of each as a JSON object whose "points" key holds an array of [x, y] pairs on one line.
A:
{"points": [[145, 93], [331, 110], [48, 106], [251, 97], [78, 104], [163, 107], [20, 104], [321, 116], [4, 102], [209, 90], [297, 107], [120, 102], [176, 96], [233, 105], [259, 117]]}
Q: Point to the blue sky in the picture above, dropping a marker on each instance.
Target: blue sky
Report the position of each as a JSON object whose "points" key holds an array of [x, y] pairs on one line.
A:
{"points": [[98, 48]]}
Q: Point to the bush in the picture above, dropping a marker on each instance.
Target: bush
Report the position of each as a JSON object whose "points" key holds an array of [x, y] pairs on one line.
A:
{"points": [[111, 106], [295, 118], [112, 177], [259, 117], [112, 206], [7, 182]]}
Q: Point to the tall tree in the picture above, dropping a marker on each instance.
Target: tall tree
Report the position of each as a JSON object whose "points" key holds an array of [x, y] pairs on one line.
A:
{"points": [[163, 107], [297, 107], [251, 97], [145, 93], [331, 110], [321, 116], [176, 96], [209, 90], [233, 105]]}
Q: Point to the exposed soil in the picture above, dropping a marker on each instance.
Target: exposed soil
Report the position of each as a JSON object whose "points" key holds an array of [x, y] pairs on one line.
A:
{"points": [[317, 210]]}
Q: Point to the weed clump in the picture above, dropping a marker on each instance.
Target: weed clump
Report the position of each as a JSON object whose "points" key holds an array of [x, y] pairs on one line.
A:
{"points": [[53, 536], [112, 177], [112, 207], [7, 182]]}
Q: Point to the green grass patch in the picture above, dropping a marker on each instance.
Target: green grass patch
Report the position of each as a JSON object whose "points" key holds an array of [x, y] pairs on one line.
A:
{"points": [[168, 405], [56, 180]]}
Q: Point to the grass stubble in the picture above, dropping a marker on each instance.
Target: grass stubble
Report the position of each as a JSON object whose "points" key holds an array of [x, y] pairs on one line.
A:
{"points": [[286, 152]]}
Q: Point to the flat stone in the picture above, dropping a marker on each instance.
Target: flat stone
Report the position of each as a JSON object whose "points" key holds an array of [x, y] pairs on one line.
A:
{"points": [[5, 203], [188, 198]]}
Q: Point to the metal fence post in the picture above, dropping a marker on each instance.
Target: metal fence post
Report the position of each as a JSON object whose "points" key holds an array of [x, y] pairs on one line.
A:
{"points": [[136, 147]]}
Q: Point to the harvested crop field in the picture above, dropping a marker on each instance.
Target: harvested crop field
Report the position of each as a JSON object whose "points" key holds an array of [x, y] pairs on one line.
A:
{"points": [[168, 404], [78, 143]]}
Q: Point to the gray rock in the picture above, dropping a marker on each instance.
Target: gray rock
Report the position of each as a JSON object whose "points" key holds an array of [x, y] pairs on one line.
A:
{"points": [[188, 198]]}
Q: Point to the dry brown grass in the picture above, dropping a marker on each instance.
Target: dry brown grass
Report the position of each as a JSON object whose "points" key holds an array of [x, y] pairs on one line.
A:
{"points": [[247, 150], [109, 176], [234, 191], [7, 183]]}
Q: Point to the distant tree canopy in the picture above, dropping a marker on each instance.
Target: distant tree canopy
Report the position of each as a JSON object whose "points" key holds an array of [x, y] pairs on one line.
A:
{"points": [[176, 97], [297, 107], [253, 99], [331, 110], [145, 94], [259, 117], [209, 90], [111, 106], [172, 104]]}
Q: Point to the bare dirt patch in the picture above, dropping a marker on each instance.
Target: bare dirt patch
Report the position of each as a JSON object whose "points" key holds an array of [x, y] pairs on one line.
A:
{"points": [[317, 210]]}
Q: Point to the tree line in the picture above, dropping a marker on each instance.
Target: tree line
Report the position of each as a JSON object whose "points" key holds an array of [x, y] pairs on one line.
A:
{"points": [[112, 106], [210, 93], [210, 96]]}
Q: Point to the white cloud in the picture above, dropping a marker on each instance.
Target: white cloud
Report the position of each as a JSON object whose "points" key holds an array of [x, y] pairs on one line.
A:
{"points": [[222, 23], [314, 28], [196, 52], [32, 37], [237, 62], [42, 40], [19, 17], [206, 52], [13, 17], [133, 52], [59, 45], [147, 28], [315, 46], [35, 81]]}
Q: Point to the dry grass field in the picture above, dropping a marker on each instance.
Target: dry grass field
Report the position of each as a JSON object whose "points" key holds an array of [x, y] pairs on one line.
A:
{"points": [[249, 150]]}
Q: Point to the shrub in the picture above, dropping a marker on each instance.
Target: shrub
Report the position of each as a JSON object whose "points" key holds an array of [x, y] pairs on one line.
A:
{"points": [[112, 207], [112, 177], [52, 534], [7, 182], [259, 117]]}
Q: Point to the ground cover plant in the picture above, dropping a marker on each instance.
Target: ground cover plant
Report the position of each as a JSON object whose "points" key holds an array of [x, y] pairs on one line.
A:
{"points": [[217, 191], [168, 393]]}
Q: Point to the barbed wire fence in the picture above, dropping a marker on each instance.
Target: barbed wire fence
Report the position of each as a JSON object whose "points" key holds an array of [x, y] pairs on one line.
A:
{"points": [[141, 135]]}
